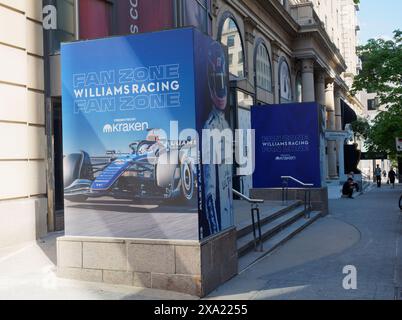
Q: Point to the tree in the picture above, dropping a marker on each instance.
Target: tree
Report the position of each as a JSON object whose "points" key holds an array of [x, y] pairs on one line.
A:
{"points": [[361, 128], [382, 133], [382, 69], [382, 74]]}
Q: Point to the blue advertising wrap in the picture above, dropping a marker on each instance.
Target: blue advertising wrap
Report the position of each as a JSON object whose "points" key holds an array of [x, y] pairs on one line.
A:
{"points": [[133, 108], [288, 143], [216, 199]]}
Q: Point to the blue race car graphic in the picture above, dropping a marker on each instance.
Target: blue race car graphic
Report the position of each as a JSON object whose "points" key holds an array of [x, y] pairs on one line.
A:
{"points": [[144, 173]]}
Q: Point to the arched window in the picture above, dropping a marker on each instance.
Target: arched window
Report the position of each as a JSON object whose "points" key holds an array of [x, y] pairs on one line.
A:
{"points": [[230, 37], [263, 69], [299, 94], [285, 89]]}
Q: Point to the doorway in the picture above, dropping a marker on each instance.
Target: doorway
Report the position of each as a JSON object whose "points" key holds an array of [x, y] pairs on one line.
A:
{"points": [[241, 104], [58, 164]]}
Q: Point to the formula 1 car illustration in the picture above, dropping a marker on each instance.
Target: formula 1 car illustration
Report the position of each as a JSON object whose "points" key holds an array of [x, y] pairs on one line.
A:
{"points": [[155, 169]]}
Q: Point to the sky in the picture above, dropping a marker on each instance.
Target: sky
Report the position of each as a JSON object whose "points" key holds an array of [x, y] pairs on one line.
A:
{"points": [[379, 18]]}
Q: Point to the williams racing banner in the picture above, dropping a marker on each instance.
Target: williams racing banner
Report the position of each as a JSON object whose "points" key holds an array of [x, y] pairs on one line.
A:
{"points": [[133, 110], [289, 141]]}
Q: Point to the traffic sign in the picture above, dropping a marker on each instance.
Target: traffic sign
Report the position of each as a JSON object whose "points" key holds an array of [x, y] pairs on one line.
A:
{"points": [[398, 144]]}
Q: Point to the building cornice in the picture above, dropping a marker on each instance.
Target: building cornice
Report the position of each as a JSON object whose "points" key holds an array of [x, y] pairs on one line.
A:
{"points": [[275, 10], [281, 14], [318, 33]]}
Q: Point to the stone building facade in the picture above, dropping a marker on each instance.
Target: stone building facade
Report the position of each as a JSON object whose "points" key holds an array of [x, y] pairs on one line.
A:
{"points": [[280, 51], [23, 202]]}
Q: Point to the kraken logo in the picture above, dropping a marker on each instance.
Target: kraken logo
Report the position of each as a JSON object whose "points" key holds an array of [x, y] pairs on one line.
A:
{"points": [[107, 128]]}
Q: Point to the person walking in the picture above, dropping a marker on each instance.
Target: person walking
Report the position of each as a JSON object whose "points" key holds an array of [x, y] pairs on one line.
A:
{"points": [[377, 173], [391, 177]]}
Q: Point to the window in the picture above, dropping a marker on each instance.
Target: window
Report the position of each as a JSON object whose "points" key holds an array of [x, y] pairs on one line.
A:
{"points": [[230, 37], [299, 92], [232, 25], [240, 57], [230, 58], [263, 68], [372, 104], [285, 82], [231, 41], [66, 29]]}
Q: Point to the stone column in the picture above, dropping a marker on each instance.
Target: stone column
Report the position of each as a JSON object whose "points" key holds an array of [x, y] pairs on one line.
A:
{"points": [[308, 91], [275, 65], [320, 98], [338, 127], [338, 112], [249, 30], [320, 87], [330, 104]]}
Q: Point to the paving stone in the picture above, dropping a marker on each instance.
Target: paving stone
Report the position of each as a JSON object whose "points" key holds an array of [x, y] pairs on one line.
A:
{"points": [[80, 274], [151, 258], [69, 254], [142, 279], [105, 256], [118, 277], [188, 260]]}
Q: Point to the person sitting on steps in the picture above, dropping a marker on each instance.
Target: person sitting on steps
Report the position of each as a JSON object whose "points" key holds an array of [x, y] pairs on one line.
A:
{"points": [[348, 188], [351, 175]]}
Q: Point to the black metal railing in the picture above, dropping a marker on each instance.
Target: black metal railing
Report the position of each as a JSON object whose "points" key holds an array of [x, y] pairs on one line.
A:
{"points": [[255, 218], [307, 193]]}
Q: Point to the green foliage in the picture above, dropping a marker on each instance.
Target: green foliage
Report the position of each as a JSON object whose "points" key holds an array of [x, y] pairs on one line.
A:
{"points": [[382, 69], [361, 128], [382, 74], [385, 128]]}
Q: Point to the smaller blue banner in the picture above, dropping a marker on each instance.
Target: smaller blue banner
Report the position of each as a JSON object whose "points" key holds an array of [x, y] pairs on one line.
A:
{"points": [[287, 144]]}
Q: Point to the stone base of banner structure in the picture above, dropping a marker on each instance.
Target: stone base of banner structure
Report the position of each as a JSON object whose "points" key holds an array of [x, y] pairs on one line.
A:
{"points": [[319, 196], [191, 267]]}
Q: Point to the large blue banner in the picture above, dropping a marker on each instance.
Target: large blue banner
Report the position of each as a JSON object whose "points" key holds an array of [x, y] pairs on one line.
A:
{"points": [[132, 106], [288, 143], [212, 106]]}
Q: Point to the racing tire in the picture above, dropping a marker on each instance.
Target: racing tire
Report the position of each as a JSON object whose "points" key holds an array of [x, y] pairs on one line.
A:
{"points": [[77, 166], [187, 181]]}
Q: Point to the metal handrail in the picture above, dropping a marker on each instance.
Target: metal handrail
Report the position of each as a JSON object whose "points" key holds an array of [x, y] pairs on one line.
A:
{"points": [[244, 197], [367, 177], [307, 193], [255, 215], [297, 181]]}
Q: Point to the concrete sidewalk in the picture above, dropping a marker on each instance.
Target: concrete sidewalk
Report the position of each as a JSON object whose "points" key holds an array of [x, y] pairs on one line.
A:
{"points": [[365, 232]]}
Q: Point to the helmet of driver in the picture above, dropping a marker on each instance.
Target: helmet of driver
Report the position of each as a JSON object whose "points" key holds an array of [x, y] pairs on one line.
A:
{"points": [[217, 75]]}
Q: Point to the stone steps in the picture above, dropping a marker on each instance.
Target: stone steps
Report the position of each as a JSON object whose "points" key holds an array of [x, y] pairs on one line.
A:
{"points": [[276, 228], [246, 227], [246, 242], [277, 240]]}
